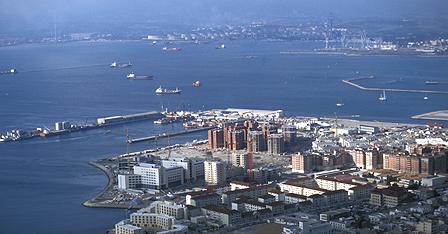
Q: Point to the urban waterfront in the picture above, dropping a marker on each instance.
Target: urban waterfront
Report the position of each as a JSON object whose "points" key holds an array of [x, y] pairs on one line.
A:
{"points": [[46, 180]]}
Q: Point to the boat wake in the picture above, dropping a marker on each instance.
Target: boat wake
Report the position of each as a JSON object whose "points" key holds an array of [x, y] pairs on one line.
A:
{"points": [[65, 68]]}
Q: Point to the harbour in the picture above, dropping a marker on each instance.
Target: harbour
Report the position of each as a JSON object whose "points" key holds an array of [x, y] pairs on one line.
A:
{"points": [[65, 127]]}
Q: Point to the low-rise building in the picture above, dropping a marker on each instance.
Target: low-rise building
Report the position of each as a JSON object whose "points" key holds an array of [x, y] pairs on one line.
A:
{"points": [[252, 192], [390, 197], [202, 199], [142, 223], [223, 215]]}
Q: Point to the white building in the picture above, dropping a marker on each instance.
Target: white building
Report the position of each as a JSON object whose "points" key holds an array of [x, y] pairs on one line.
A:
{"points": [[215, 172], [151, 176], [193, 168], [129, 181]]}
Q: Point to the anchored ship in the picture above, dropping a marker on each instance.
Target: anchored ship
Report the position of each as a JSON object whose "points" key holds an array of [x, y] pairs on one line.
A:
{"points": [[171, 49], [120, 65], [160, 91], [132, 76]]}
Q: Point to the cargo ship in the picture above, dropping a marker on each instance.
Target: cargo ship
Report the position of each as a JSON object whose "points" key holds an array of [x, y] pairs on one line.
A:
{"points": [[160, 91], [132, 76]]}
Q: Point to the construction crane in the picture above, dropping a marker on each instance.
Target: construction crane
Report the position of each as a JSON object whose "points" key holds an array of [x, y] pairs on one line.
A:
{"points": [[249, 152]]}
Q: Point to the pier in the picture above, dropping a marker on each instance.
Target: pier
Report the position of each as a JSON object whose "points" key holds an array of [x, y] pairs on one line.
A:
{"points": [[351, 82], [67, 128], [435, 115], [164, 135]]}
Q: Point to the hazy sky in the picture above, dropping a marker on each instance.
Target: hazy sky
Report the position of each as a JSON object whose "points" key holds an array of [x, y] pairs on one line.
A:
{"points": [[22, 15]]}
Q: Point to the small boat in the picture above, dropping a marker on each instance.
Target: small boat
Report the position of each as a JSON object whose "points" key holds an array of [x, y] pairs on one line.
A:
{"points": [[160, 91], [10, 71], [425, 98], [430, 82], [222, 46], [383, 96], [171, 49], [196, 84], [339, 104]]}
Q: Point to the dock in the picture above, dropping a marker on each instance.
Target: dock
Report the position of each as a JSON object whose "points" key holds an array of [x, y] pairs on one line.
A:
{"points": [[164, 135], [19, 135], [351, 82]]}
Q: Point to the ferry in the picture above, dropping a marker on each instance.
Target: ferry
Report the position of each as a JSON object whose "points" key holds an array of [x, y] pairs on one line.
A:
{"points": [[160, 91], [196, 84]]}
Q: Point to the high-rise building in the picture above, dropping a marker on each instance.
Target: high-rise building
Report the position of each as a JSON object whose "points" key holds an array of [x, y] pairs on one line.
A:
{"points": [[289, 134], [302, 163], [234, 138], [372, 159], [216, 138], [256, 141], [237, 141], [240, 160], [276, 144], [215, 172], [358, 157]]}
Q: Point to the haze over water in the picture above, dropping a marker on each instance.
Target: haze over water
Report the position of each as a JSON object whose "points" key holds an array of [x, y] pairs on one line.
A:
{"points": [[44, 181]]}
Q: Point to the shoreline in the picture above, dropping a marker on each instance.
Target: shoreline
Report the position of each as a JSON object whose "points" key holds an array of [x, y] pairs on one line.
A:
{"points": [[97, 200], [91, 202]]}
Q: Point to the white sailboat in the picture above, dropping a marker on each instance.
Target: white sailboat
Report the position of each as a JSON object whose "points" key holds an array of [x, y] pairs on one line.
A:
{"points": [[383, 96]]}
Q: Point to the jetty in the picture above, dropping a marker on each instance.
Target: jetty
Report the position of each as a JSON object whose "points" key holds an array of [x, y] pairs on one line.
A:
{"points": [[168, 135], [435, 115], [352, 83]]}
